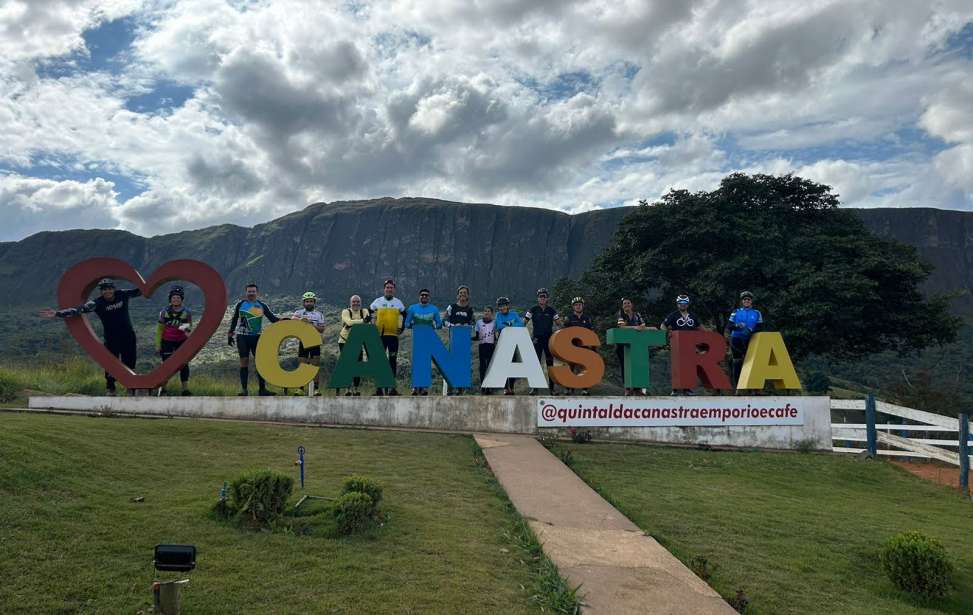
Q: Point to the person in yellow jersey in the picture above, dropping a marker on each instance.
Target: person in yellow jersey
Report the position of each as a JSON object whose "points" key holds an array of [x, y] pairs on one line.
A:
{"points": [[388, 314]]}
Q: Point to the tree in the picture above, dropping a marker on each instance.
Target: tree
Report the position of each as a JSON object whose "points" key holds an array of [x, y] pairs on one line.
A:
{"points": [[819, 277]]}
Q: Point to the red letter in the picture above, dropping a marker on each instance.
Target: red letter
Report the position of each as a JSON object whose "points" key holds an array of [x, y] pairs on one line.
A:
{"points": [[698, 353]]}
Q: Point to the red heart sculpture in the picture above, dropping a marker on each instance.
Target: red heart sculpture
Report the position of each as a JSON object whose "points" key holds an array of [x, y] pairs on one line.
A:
{"points": [[77, 283]]}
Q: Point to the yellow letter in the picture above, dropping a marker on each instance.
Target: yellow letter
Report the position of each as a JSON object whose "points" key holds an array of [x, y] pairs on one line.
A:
{"points": [[767, 360], [268, 348]]}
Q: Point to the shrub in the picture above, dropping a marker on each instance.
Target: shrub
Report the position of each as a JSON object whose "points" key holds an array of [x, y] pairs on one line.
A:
{"points": [[362, 484], [353, 512], [8, 388], [260, 496], [917, 564]]}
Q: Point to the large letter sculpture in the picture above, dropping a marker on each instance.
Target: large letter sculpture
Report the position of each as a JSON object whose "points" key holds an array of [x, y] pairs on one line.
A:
{"points": [[514, 341], [268, 351], [767, 360], [454, 363], [689, 362], [637, 344], [77, 283], [375, 366], [563, 347]]}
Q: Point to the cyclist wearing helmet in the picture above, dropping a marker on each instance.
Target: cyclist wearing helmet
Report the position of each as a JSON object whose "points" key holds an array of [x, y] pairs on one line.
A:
{"points": [[112, 310], [578, 318], [388, 314], [627, 317], [310, 314], [245, 328], [460, 314], [543, 318], [743, 323], [681, 320], [506, 318], [175, 322]]}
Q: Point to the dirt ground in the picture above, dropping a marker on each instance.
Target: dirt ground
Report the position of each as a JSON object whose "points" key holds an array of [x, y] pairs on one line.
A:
{"points": [[942, 474]]}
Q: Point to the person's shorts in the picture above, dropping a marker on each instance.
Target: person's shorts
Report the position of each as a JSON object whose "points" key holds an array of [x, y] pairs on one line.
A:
{"points": [[307, 353], [246, 345]]}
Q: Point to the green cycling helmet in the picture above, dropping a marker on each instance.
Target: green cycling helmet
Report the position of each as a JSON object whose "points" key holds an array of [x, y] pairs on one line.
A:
{"points": [[309, 295]]}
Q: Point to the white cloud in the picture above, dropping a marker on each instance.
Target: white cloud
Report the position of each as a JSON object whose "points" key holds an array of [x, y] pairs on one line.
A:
{"points": [[298, 101]]}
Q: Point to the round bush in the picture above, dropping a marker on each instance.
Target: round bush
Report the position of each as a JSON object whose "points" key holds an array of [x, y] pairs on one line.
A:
{"points": [[917, 564], [353, 512], [362, 484], [8, 388], [261, 495]]}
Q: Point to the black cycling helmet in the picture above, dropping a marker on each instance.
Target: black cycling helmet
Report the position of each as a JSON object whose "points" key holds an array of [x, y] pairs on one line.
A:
{"points": [[543, 291], [683, 299], [578, 299], [502, 301], [746, 295], [106, 283], [177, 290]]}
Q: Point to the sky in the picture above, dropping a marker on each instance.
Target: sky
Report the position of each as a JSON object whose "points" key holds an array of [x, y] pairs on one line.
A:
{"points": [[166, 115]]}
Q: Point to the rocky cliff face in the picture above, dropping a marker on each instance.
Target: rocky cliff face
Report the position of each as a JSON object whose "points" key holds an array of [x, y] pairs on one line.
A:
{"points": [[342, 248]]}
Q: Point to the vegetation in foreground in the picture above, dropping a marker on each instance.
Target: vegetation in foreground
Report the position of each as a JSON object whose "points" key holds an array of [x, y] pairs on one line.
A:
{"points": [[788, 533], [74, 538]]}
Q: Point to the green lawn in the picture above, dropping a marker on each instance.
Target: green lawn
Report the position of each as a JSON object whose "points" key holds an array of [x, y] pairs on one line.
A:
{"points": [[798, 533], [71, 541]]}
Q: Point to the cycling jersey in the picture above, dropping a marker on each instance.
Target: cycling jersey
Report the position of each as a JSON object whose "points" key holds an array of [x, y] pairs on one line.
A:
{"points": [[677, 321], [422, 315], [113, 314], [248, 317], [510, 319], [388, 315], [315, 317], [543, 319], [485, 331], [457, 314], [624, 320], [172, 325], [751, 320], [583, 320]]}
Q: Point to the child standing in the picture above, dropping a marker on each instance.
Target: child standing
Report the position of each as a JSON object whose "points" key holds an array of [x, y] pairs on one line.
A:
{"points": [[175, 322], [485, 333]]}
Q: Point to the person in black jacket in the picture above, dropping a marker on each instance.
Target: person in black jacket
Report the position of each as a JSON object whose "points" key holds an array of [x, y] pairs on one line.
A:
{"points": [[543, 318], [112, 309], [245, 328]]}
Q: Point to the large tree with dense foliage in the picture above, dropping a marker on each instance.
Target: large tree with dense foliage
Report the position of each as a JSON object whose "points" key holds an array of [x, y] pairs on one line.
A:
{"points": [[819, 276]]}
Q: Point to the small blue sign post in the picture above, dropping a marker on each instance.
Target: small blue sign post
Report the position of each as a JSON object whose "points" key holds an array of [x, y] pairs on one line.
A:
{"points": [[300, 462]]}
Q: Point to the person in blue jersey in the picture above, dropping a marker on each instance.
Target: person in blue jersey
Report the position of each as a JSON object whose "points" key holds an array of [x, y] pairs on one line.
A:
{"points": [[743, 323], [506, 317], [112, 309], [245, 329], [422, 314]]}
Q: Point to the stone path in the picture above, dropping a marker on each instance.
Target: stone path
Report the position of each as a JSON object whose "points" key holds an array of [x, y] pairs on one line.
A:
{"points": [[620, 569]]}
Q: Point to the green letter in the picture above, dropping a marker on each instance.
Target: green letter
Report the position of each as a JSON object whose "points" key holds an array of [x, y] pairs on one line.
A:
{"points": [[637, 344], [375, 366]]}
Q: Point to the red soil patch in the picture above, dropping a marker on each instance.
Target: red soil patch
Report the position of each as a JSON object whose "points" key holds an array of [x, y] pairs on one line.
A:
{"points": [[944, 475]]}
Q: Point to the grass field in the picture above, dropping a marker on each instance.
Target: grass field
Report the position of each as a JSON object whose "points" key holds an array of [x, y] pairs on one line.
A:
{"points": [[798, 533], [72, 541]]}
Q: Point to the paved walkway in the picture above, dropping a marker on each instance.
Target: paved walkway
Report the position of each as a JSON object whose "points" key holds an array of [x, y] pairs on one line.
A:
{"points": [[620, 569]]}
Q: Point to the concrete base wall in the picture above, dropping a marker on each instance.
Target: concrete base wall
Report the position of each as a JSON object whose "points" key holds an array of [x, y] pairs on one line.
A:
{"points": [[499, 414]]}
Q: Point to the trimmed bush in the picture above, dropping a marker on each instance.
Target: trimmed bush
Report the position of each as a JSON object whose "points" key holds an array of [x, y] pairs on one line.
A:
{"points": [[8, 388], [260, 496], [917, 564], [353, 512], [362, 484]]}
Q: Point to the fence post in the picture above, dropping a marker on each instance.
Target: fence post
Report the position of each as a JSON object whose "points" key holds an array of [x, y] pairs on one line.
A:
{"points": [[964, 453], [870, 431]]}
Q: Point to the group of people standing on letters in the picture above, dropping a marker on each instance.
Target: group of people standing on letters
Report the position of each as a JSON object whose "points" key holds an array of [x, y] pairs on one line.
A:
{"points": [[391, 317]]}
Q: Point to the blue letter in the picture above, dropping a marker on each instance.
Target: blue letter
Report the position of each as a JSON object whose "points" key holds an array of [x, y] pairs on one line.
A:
{"points": [[454, 364]]}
